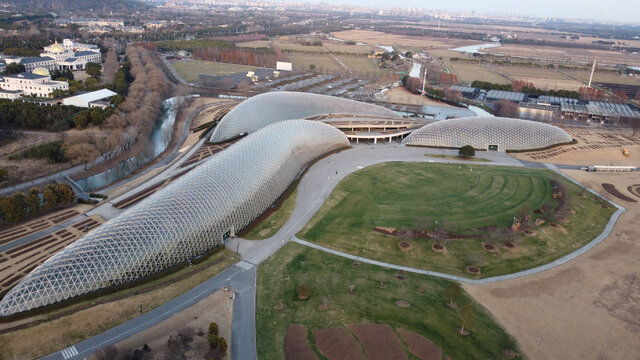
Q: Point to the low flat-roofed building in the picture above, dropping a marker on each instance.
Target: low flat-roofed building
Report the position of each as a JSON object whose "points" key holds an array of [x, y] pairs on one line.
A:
{"points": [[467, 91], [495, 95], [10, 94], [38, 83], [543, 112], [33, 63], [91, 99]]}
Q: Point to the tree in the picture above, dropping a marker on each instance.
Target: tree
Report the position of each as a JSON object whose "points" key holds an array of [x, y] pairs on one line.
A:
{"points": [[108, 353], [14, 68], [213, 328], [466, 318], [452, 292], [81, 120], [65, 194], [467, 151], [81, 153], [33, 202], [96, 117], [4, 175], [507, 108], [222, 345], [408, 54], [474, 261], [93, 70], [110, 67], [213, 340], [50, 197], [13, 207], [312, 67]]}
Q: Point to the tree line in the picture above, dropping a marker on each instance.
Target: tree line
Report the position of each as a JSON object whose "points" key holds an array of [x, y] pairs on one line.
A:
{"points": [[241, 56], [20, 206]]}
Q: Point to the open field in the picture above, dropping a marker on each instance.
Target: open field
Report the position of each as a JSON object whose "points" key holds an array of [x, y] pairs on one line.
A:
{"points": [[301, 62], [401, 95], [586, 308], [332, 46], [594, 147], [104, 313], [401, 41], [272, 223], [604, 77], [216, 307], [190, 69], [467, 73], [545, 79], [329, 278], [361, 65], [468, 205], [566, 54]]}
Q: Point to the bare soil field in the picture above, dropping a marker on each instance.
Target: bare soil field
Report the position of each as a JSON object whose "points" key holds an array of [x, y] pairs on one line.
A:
{"points": [[190, 70], [401, 95], [420, 346], [467, 73], [594, 147], [604, 77], [379, 341], [566, 54], [587, 308], [217, 307], [296, 344], [401, 41], [336, 343]]}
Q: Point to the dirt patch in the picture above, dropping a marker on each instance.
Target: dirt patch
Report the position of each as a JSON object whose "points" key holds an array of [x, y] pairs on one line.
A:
{"points": [[490, 247], [611, 189], [264, 232], [585, 308], [420, 346], [511, 247], [405, 245], [634, 189], [336, 343], [439, 248], [379, 342], [403, 304], [197, 318], [296, 344], [473, 270], [621, 299]]}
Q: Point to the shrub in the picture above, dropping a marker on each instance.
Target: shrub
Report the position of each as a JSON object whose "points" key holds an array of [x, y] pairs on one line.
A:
{"points": [[52, 151], [467, 151], [213, 328], [222, 343], [4, 175], [303, 292], [98, 195], [213, 341]]}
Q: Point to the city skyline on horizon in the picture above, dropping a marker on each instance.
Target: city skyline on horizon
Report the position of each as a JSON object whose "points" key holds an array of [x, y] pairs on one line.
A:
{"points": [[625, 12]]}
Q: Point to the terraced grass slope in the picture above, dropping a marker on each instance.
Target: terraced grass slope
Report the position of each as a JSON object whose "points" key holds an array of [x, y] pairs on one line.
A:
{"points": [[329, 279], [469, 202]]}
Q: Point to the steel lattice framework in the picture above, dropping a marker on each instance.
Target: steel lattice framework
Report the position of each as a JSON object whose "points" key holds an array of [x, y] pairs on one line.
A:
{"points": [[264, 109], [183, 220], [480, 132]]}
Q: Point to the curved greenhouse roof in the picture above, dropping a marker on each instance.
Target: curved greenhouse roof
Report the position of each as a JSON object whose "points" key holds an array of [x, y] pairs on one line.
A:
{"points": [[483, 132], [264, 109], [182, 220]]}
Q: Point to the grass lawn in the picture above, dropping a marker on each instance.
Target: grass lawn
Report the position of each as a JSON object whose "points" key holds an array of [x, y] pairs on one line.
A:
{"points": [[301, 62], [329, 278], [456, 157], [467, 73], [189, 70], [361, 64], [463, 200], [53, 335], [272, 223]]}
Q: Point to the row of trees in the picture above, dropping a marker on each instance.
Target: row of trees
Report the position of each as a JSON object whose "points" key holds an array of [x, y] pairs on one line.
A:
{"points": [[19, 206], [253, 57], [27, 115], [131, 123]]}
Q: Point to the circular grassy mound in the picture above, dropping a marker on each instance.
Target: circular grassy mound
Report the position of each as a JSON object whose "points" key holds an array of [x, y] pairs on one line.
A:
{"points": [[471, 205]]}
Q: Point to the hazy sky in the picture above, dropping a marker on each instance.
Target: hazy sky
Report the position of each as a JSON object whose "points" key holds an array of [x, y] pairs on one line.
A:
{"points": [[615, 10]]}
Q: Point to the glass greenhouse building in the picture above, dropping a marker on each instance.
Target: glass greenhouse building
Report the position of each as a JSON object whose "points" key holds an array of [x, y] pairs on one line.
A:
{"points": [[488, 133], [264, 109], [183, 220]]}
